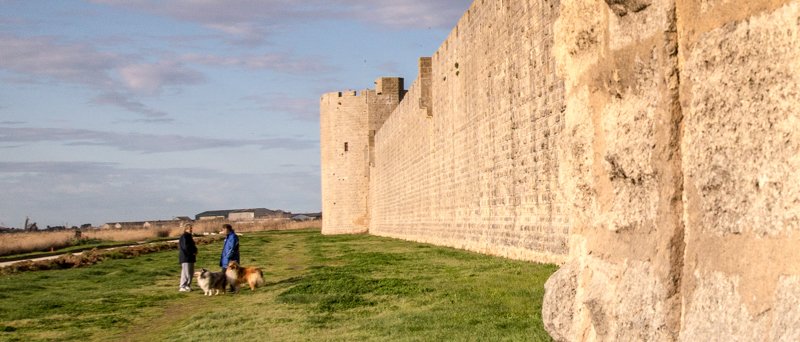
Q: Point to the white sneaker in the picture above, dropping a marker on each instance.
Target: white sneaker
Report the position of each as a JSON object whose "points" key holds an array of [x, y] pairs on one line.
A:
{"points": [[183, 289]]}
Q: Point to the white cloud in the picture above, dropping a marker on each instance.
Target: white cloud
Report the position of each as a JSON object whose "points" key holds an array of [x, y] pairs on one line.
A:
{"points": [[44, 56], [118, 76], [245, 21], [243, 33], [301, 108], [151, 78], [409, 13], [252, 20]]}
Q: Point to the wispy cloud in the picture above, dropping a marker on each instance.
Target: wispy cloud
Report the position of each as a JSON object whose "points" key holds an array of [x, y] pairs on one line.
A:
{"points": [[124, 101], [146, 121], [243, 33], [44, 56], [252, 20], [244, 21], [301, 108], [145, 143], [409, 13], [54, 167], [124, 79], [149, 79], [280, 62]]}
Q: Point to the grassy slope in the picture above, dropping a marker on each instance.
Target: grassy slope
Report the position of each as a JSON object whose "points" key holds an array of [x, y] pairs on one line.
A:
{"points": [[318, 288]]}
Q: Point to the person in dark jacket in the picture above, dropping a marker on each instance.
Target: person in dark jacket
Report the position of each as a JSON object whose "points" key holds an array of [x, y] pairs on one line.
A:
{"points": [[230, 249], [187, 255]]}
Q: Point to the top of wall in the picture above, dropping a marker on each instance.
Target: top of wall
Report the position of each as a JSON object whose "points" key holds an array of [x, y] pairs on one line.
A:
{"points": [[383, 85], [346, 93], [477, 5]]}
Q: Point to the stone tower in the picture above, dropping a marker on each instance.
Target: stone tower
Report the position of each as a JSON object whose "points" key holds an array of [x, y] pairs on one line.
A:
{"points": [[348, 122]]}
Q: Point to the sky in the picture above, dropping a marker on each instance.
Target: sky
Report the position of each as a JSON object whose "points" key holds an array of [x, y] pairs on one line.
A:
{"points": [[132, 110]]}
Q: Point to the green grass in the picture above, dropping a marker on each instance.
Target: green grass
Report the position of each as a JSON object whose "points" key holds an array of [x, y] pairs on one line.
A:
{"points": [[339, 288]]}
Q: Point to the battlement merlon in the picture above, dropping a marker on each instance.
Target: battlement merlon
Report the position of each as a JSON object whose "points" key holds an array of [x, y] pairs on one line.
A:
{"points": [[425, 72], [390, 86]]}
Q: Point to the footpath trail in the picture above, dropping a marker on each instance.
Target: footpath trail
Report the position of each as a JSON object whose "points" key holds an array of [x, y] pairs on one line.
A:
{"points": [[286, 261], [9, 263]]}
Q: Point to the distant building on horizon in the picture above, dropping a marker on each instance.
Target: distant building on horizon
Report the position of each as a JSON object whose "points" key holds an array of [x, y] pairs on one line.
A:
{"points": [[243, 214], [307, 217], [146, 224]]}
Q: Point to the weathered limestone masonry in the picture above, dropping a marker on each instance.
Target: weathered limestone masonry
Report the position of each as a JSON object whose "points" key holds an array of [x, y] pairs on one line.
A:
{"points": [[651, 147], [480, 171], [348, 122], [740, 94]]}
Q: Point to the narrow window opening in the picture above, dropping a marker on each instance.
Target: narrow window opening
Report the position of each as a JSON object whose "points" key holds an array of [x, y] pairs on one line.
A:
{"points": [[345, 147]]}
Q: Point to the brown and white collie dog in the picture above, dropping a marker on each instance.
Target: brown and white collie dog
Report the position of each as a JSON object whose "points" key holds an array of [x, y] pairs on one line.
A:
{"points": [[239, 275]]}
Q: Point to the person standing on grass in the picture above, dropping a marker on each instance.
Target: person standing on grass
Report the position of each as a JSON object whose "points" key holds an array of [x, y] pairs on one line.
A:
{"points": [[230, 249], [187, 255]]}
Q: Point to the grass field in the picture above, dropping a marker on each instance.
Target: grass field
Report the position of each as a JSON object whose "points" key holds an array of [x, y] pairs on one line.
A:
{"points": [[330, 288]]}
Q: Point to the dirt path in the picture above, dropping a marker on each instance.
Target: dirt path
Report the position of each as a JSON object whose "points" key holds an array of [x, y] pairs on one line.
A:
{"points": [[170, 317], [293, 262]]}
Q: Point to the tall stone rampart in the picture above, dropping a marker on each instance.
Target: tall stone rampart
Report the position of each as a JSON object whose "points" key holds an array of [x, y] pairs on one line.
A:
{"points": [[348, 122], [480, 171], [651, 147], [344, 137]]}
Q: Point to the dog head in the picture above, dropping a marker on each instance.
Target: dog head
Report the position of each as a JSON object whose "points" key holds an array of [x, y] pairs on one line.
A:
{"points": [[201, 274], [233, 265]]}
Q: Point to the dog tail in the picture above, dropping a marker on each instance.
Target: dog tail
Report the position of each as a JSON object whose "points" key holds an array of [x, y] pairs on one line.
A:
{"points": [[260, 280]]}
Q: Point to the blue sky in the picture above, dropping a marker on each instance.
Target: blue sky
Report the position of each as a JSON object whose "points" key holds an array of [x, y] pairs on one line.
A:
{"points": [[114, 110]]}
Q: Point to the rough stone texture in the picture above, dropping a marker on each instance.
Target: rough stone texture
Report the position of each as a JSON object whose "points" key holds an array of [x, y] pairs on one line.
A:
{"points": [[652, 146], [558, 309], [741, 135], [740, 90], [787, 302], [622, 168], [718, 314]]}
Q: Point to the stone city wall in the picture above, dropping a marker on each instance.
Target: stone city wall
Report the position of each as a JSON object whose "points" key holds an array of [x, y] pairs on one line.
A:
{"points": [[481, 172], [348, 122], [651, 147]]}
